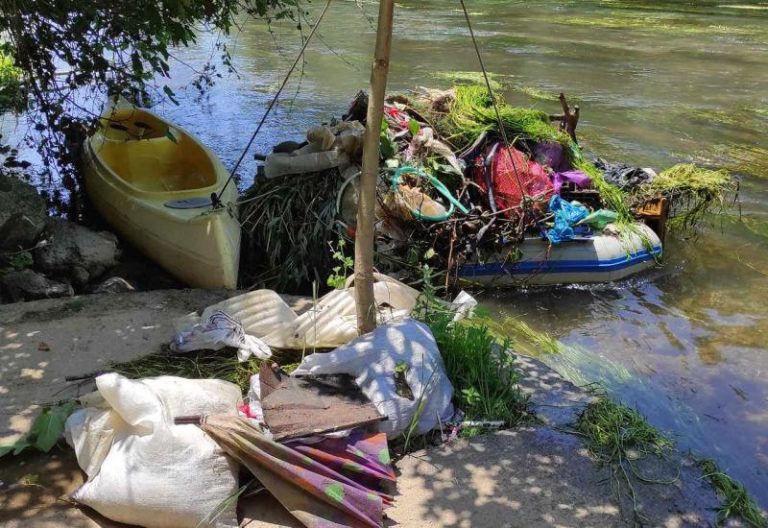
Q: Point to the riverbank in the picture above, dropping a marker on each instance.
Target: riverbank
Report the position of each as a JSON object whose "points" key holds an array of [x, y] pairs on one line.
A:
{"points": [[535, 474]]}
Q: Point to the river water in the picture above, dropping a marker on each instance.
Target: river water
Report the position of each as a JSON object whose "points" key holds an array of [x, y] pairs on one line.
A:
{"points": [[658, 83]]}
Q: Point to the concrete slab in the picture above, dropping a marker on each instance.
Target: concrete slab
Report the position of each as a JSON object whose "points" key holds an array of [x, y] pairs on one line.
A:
{"points": [[42, 342]]}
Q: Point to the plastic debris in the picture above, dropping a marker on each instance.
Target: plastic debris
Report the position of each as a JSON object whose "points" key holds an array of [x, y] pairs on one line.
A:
{"points": [[374, 360], [219, 330]]}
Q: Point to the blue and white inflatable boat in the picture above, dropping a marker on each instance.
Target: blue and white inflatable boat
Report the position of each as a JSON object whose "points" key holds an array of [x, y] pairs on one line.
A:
{"points": [[600, 258]]}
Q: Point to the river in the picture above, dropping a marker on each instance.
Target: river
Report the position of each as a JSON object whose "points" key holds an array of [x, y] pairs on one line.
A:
{"points": [[658, 83]]}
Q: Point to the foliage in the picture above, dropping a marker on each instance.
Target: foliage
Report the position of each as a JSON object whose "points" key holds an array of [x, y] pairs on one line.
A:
{"points": [[618, 436], [74, 54], [483, 374], [613, 430], [338, 278], [736, 500], [22, 260], [11, 90], [694, 192], [45, 431], [288, 224]]}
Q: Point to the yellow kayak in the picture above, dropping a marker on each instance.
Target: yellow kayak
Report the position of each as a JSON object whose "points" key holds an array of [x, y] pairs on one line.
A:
{"points": [[153, 181]]}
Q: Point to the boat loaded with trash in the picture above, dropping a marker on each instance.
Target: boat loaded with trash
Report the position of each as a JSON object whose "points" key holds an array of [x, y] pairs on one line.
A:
{"points": [[480, 191], [166, 193]]}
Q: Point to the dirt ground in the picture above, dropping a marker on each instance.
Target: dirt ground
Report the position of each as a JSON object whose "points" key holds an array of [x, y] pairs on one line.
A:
{"points": [[533, 476]]}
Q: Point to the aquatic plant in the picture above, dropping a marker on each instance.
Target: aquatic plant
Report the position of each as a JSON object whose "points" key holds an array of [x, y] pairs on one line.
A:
{"points": [[288, 225], [693, 192], [747, 159], [737, 503], [618, 436], [472, 113], [205, 364], [541, 95], [469, 77]]}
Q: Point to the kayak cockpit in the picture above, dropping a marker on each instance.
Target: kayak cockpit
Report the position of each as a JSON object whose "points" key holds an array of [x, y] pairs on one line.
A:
{"points": [[151, 156]]}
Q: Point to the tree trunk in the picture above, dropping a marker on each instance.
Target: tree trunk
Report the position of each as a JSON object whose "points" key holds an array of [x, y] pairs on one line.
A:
{"points": [[366, 304]]}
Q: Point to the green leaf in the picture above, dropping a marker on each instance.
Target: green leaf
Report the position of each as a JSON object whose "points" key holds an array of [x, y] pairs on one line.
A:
{"points": [[429, 254], [170, 93], [48, 427], [414, 127]]}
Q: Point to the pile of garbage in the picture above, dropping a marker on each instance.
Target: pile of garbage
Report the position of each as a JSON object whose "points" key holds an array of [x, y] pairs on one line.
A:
{"points": [[172, 451], [455, 187]]}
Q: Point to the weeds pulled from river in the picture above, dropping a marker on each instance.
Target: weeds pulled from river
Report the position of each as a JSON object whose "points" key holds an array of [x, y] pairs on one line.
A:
{"points": [[205, 364], [736, 501]]}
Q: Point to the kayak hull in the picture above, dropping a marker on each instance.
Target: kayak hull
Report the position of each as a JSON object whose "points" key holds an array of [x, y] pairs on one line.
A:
{"points": [[601, 258], [137, 185]]}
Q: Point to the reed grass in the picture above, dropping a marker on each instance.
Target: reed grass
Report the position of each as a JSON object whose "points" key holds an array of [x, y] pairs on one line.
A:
{"points": [[288, 225]]}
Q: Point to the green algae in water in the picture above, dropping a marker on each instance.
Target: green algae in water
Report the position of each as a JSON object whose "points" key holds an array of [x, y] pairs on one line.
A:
{"points": [[747, 159], [573, 363], [469, 77], [737, 502], [543, 95]]}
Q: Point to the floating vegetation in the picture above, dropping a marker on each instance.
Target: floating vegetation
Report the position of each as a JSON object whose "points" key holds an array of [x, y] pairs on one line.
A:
{"points": [[542, 95], [695, 192], [535, 93], [655, 25], [747, 159], [469, 77], [737, 503], [288, 226]]}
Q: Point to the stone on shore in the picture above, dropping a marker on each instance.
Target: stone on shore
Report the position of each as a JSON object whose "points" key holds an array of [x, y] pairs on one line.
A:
{"points": [[28, 285], [76, 252], [20, 231]]}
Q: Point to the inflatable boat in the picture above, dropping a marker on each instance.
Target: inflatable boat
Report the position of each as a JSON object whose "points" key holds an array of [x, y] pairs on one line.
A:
{"points": [[599, 258]]}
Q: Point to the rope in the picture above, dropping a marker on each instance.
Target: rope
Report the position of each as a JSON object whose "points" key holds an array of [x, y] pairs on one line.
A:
{"points": [[503, 132], [272, 103]]}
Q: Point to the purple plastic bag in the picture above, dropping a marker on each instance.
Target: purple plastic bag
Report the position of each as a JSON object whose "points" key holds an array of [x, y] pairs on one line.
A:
{"points": [[577, 177], [553, 155]]}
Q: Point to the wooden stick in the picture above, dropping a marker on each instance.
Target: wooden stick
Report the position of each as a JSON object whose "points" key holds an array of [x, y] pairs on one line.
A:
{"points": [[366, 304]]}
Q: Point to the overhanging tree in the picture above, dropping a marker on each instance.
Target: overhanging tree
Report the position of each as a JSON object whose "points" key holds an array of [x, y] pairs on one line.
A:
{"points": [[73, 52]]}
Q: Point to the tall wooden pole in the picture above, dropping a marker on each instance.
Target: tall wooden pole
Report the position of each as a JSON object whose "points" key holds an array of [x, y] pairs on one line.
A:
{"points": [[366, 304]]}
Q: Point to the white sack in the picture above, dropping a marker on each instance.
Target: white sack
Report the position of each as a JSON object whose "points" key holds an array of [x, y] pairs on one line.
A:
{"points": [[144, 470], [372, 359]]}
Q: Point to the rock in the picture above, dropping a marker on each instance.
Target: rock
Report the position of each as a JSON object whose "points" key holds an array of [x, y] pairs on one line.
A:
{"points": [[75, 251], [114, 285], [28, 285], [79, 276], [17, 196], [20, 231]]}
